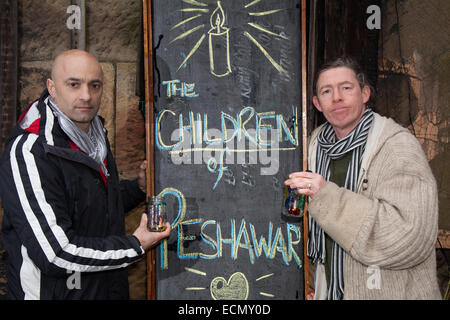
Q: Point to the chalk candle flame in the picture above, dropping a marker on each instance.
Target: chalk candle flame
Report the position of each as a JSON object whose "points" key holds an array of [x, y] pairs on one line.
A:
{"points": [[219, 43]]}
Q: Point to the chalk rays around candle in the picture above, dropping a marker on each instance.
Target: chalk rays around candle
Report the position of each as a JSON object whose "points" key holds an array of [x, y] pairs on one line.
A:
{"points": [[266, 54], [219, 38]]}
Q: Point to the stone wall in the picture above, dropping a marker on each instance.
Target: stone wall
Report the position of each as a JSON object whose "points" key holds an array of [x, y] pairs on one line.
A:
{"points": [[112, 35]]}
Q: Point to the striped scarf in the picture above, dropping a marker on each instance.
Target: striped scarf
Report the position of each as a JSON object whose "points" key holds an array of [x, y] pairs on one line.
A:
{"points": [[329, 148]]}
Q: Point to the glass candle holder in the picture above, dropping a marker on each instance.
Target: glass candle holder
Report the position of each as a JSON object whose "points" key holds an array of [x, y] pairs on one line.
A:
{"points": [[294, 203], [156, 214]]}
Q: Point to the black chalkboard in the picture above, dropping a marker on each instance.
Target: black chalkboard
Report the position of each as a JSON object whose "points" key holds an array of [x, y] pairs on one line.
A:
{"points": [[227, 98]]}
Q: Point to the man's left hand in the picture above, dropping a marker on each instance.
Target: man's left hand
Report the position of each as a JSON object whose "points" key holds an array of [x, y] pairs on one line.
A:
{"points": [[149, 239], [142, 176], [306, 183]]}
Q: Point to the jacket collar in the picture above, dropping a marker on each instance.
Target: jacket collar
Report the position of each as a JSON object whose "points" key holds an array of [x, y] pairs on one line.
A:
{"points": [[39, 119]]}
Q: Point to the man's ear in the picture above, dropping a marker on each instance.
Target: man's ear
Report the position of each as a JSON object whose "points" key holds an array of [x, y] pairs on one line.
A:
{"points": [[51, 88], [317, 104], [365, 94]]}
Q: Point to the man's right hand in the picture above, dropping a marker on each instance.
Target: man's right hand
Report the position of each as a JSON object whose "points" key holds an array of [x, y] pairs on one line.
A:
{"points": [[147, 238]]}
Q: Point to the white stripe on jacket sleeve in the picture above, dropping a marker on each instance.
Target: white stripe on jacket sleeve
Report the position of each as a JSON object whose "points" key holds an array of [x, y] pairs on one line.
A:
{"points": [[50, 217]]}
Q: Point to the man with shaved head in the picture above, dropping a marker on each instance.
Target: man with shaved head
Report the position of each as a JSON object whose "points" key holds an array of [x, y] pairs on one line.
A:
{"points": [[64, 225], [76, 86]]}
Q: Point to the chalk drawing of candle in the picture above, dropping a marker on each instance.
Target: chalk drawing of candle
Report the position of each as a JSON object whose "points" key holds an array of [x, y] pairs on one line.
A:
{"points": [[219, 36], [219, 43]]}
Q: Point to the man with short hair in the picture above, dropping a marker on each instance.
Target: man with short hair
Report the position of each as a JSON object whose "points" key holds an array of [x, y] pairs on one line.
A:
{"points": [[373, 198], [64, 223]]}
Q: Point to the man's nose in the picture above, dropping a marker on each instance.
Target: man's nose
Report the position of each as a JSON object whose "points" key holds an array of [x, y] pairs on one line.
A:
{"points": [[337, 96], [85, 93]]}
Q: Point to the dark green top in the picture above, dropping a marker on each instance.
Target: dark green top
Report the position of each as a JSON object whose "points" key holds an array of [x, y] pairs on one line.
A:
{"points": [[338, 172]]}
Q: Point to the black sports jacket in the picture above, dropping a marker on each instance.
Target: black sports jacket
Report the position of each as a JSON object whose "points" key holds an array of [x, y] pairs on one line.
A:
{"points": [[64, 223]]}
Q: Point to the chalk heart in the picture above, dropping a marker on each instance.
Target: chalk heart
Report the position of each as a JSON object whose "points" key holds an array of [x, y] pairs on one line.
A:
{"points": [[236, 288]]}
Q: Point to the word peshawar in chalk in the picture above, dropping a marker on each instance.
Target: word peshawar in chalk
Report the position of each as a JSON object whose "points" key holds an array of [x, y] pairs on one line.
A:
{"points": [[212, 233]]}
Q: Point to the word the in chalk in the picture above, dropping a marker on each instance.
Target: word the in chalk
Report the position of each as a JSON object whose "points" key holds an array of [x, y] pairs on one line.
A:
{"points": [[182, 89]]}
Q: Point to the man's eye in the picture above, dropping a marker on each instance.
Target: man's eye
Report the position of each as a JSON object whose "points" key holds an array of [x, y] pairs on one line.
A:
{"points": [[325, 91], [73, 84]]}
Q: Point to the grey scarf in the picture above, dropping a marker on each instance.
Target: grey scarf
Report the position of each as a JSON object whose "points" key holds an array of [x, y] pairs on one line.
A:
{"points": [[92, 143], [329, 148]]}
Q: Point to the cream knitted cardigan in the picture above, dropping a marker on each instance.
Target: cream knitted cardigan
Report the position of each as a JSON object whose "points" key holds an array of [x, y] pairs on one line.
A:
{"points": [[390, 224]]}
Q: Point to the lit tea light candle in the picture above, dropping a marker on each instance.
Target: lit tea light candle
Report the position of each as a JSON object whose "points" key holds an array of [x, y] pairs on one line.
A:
{"points": [[219, 43]]}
